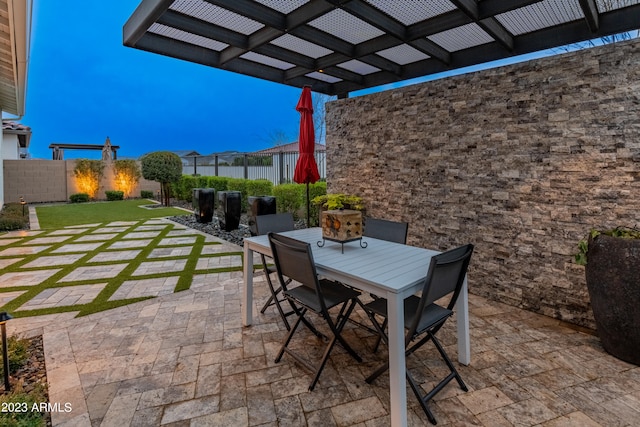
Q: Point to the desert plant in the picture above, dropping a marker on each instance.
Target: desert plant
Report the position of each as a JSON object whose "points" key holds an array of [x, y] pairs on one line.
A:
{"points": [[88, 174]]}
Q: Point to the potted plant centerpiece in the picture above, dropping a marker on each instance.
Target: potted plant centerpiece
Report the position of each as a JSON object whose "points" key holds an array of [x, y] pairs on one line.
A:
{"points": [[612, 265], [340, 216]]}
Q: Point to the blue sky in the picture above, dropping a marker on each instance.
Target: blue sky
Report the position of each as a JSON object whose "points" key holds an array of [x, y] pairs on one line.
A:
{"points": [[84, 85]]}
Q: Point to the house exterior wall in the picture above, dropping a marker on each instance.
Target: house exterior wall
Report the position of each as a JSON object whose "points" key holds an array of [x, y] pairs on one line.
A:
{"points": [[521, 161], [10, 147], [41, 181]]}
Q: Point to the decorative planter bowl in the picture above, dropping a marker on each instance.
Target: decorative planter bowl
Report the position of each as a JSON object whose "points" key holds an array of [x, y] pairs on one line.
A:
{"points": [[613, 280], [341, 225]]}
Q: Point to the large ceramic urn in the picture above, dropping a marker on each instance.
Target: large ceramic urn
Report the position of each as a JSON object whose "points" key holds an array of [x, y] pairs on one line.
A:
{"points": [[613, 280]]}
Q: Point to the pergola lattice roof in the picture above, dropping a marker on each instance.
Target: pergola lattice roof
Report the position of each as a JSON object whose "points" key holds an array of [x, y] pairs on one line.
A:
{"points": [[340, 46]]}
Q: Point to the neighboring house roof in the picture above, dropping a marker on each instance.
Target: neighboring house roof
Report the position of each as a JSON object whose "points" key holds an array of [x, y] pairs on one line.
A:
{"points": [[15, 36], [23, 132], [292, 147], [186, 153]]}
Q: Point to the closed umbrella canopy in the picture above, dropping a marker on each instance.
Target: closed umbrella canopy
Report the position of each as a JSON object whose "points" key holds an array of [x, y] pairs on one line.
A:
{"points": [[306, 168]]}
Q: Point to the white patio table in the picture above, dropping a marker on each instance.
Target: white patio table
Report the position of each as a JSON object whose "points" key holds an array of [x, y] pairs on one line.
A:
{"points": [[391, 270]]}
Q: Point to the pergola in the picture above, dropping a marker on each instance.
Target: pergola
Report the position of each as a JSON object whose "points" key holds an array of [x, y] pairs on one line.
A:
{"points": [[341, 46]]}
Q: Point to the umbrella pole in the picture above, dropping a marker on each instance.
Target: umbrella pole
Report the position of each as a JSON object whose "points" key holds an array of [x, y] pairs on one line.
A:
{"points": [[308, 215]]}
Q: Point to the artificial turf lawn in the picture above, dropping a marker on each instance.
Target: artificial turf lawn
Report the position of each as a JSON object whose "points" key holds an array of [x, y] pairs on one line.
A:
{"points": [[59, 216]]}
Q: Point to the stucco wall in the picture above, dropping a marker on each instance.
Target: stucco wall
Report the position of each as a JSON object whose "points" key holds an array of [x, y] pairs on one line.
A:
{"points": [[521, 161], [41, 181]]}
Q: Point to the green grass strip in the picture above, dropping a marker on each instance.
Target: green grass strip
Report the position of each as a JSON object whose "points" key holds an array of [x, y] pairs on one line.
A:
{"points": [[60, 216]]}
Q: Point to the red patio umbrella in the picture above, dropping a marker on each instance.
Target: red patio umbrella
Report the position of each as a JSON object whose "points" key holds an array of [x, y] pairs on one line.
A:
{"points": [[306, 168]]}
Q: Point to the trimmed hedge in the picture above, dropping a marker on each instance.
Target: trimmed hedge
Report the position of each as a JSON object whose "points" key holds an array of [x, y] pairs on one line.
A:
{"points": [[79, 198], [114, 195], [289, 197], [146, 194]]}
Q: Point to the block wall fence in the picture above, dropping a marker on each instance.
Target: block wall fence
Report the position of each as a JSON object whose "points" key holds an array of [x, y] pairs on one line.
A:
{"points": [[521, 160], [42, 181]]}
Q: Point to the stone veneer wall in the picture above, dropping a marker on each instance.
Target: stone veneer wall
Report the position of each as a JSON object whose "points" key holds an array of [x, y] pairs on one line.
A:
{"points": [[520, 160]]}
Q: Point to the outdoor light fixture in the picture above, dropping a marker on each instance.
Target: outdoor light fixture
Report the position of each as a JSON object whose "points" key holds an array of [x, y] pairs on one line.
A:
{"points": [[4, 316], [23, 203]]}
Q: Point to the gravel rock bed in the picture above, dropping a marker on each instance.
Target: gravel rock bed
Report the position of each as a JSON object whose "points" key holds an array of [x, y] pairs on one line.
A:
{"points": [[213, 227]]}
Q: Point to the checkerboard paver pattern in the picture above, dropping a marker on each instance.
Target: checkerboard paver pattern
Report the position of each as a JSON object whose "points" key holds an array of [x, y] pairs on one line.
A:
{"points": [[88, 265]]}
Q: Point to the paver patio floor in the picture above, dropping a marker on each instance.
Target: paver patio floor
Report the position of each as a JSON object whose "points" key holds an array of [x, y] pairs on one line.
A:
{"points": [[184, 359]]}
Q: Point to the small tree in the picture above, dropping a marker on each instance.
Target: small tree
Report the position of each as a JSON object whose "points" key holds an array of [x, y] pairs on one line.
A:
{"points": [[164, 167], [127, 175], [88, 174]]}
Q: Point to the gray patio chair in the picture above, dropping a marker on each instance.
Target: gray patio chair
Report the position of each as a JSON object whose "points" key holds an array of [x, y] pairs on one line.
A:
{"points": [[294, 259], [424, 318], [275, 223], [383, 229]]}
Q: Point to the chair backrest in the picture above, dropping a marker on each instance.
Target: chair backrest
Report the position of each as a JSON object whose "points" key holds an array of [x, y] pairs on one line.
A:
{"points": [[445, 277], [293, 258], [275, 223], [384, 229], [446, 274]]}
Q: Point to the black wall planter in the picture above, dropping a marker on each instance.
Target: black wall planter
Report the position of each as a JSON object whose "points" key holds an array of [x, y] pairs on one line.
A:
{"points": [[613, 280]]}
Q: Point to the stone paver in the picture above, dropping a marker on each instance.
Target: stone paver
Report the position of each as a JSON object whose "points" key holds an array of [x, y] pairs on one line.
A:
{"points": [[141, 235], [219, 262], [53, 260], [110, 230], [48, 240], [8, 261], [108, 256], [77, 247], [26, 278], [145, 288], [23, 250], [5, 242], [170, 252], [173, 241], [94, 272], [6, 297], [156, 267], [127, 244], [60, 297], [96, 237], [70, 230]]}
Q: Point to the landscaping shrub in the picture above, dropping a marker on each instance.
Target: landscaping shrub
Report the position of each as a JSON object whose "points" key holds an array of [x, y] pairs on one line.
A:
{"points": [[183, 189], [146, 194], [239, 184], [315, 190], [114, 195], [126, 174], [220, 183], [79, 198], [88, 174], [259, 187], [11, 217], [289, 198]]}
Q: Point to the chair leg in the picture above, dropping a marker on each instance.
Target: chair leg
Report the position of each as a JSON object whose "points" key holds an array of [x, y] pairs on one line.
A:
{"points": [[423, 400], [273, 300], [290, 334], [338, 329]]}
